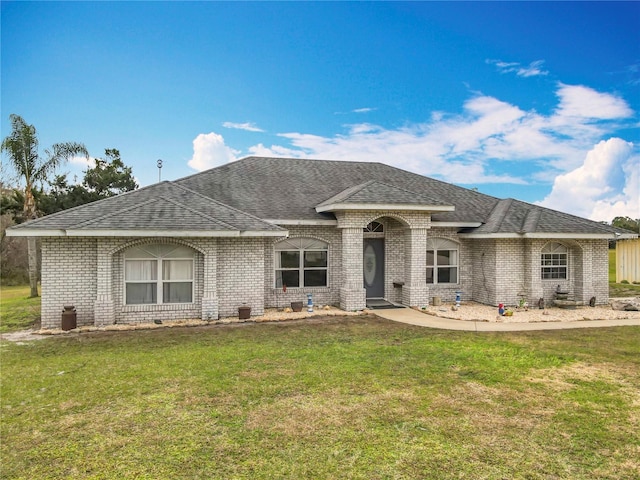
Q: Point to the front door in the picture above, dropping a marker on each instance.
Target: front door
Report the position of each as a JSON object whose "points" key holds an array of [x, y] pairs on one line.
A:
{"points": [[373, 263]]}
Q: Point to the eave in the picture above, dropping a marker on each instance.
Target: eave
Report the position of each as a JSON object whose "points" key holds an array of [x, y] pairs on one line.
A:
{"points": [[39, 232], [560, 236]]}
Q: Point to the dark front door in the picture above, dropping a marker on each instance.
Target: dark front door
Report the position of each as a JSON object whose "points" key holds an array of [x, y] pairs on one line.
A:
{"points": [[373, 263]]}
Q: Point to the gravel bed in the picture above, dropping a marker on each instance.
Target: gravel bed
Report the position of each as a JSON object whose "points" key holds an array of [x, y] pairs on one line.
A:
{"points": [[480, 312]]}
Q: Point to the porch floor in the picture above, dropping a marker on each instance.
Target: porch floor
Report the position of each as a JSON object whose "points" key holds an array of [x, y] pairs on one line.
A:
{"points": [[381, 303]]}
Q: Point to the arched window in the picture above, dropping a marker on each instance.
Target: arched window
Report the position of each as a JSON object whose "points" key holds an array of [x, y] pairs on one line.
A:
{"points": [[554, 261], [158, 273], [442, 261], [301, 262], [374, 227]]}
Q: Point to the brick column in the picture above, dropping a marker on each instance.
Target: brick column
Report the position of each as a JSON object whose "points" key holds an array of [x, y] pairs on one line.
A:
{"points": [[415, 292], [352, 292], [210, 290], [104, 311]]}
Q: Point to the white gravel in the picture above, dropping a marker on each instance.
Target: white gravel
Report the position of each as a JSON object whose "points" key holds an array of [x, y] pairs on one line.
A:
{"points": [[479, 312]]}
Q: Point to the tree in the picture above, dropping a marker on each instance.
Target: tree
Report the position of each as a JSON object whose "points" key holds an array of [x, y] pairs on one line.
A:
{"points": [[627, 223], [109, 177], [21, 146]]}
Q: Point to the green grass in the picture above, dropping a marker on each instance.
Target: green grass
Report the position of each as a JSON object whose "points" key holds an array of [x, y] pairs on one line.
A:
{"points": [[348, 397], [17, 310]]}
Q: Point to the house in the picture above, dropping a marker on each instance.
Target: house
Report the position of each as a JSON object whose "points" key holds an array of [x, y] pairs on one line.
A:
{"points": [[263, 232]]}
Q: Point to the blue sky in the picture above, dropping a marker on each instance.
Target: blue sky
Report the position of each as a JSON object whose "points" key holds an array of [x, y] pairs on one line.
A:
{"points": [[537, 101]]}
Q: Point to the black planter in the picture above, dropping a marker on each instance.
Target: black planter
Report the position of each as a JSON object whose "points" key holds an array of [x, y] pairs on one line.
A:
{"points": [[296, 306]]}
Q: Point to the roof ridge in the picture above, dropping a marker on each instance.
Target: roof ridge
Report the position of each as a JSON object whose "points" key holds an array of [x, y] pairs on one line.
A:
{"points": [[499, 212], [531, 219]]}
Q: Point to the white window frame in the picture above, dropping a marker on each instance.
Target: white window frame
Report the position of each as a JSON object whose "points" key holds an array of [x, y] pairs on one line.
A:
{"points": [[435, 244], [554, 260], [300, 245], [159, 253]]}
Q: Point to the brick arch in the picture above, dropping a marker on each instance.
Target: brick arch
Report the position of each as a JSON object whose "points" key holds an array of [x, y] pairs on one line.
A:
{"points": [[153, 240], [300, 235]]}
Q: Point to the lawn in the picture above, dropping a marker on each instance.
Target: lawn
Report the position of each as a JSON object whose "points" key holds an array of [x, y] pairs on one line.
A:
{"points": [[346, 397], [17, 310]]}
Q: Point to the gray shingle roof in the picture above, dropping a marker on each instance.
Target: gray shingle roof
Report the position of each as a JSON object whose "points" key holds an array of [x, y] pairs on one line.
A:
{"points": [[241, 195], [289, 188], [375, 192], [163, 206], [514, 216]]}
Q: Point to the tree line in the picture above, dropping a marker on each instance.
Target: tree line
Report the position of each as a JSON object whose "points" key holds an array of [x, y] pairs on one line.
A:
{"points": [[39, 190]]}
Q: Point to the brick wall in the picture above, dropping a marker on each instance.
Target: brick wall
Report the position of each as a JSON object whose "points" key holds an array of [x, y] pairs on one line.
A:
{"points": [[68, 278], [330, 295], [231, 272], [505, 269], [240, 275]]}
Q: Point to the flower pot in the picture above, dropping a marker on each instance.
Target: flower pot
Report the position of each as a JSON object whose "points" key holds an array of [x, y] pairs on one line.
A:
{"points": [[244, 313], [296, 306]]}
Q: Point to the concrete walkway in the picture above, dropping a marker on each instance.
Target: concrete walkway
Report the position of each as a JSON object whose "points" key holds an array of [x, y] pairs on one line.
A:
{"points": [[413, 317]]}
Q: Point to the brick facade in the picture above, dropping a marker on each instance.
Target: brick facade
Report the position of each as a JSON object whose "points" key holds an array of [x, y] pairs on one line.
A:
{"points": [[231, 272]]}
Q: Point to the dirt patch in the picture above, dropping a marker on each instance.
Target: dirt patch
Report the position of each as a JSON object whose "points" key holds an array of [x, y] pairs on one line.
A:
{"points": [[21, 336]]}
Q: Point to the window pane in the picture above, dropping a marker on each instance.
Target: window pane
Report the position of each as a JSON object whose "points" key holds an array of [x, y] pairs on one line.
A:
{"points": [[290, 278], [138, 293], [315, 278], [557, 273], [141, 270], [177, 270], [315, 259], [430, 257], [444, 257], [288, 259], [448, 275], [429, 275], [176, 292]]}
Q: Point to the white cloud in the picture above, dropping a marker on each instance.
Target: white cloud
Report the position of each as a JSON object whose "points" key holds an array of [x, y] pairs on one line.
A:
{"points": [[534, 69], [606, 185], [209, 150], [584, 102], [248, 126], [468, 148], [83, 162]]}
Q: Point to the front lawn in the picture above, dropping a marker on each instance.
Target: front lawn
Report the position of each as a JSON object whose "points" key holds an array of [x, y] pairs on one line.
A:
{"points": [[347, 397]]}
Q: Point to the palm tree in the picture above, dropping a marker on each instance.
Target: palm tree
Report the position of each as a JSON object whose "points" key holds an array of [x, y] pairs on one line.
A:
{"points": [[22, 149]]}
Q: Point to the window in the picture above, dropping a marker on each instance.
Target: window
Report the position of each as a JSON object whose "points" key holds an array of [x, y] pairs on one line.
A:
{"points": [[374, 227], [442, 261], [301, 262], [156, 274], [554, 261]]}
